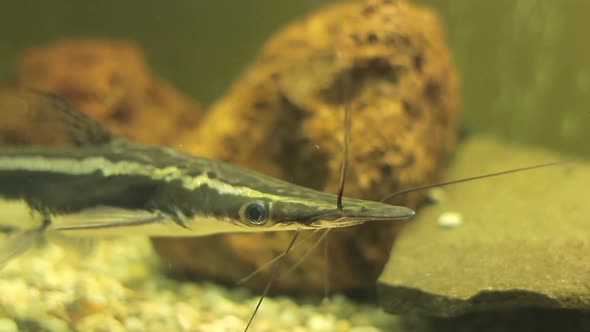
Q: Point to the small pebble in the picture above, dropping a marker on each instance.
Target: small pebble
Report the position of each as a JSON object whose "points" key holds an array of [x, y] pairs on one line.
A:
{"points": [[134, 324], [99, 295], [8, 325], [321, 323], [364, 329], [51, 324], [450, 219]]}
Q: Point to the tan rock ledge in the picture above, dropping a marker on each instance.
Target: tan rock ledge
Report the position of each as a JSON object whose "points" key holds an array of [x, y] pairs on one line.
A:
{"points": [[524, 240]]}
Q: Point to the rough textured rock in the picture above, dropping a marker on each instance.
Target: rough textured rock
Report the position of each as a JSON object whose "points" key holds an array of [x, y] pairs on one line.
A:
{"points": [[509, 320], [111, 82], [284, 117], [523, 242]]}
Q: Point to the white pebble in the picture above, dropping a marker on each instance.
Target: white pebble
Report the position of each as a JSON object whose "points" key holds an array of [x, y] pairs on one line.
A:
{"points": [[364, 329], [134, 324], [227, 323], [100, 322], [450, 219], [53, 324], [8, 325], [320, 322], [186, 316]]}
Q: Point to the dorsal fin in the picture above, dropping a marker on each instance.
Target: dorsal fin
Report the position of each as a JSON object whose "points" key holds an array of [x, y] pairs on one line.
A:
{"points": [[30, 117]]}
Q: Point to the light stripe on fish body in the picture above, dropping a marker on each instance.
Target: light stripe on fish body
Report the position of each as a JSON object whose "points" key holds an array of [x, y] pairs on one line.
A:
{"points": [[119, 187]]}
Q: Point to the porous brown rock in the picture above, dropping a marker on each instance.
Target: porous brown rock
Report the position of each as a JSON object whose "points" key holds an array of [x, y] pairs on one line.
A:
{"points": [[111, 82], [389, 61]]}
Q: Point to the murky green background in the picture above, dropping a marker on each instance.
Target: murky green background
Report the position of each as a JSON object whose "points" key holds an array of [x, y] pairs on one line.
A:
{"points": [[525, 67], [525, 64]]}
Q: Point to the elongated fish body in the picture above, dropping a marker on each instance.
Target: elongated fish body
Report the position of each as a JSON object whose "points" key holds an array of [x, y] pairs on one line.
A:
{"points": [[177, 187], [106, 185]]}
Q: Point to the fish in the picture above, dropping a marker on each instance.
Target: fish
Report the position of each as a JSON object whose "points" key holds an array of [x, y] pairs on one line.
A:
{"points": [[105, 185]]}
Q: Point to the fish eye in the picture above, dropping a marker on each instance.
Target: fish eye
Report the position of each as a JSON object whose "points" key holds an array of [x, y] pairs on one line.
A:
{"points": [[256, 213]]}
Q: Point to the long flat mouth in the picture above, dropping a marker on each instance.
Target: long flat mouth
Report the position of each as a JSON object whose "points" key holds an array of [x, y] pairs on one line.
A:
{"points": [[349, 217]]}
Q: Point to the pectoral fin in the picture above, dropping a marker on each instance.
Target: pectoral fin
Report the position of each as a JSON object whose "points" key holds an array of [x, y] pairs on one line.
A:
{"points": [[105, 217], [88, 222], [16, 244]]}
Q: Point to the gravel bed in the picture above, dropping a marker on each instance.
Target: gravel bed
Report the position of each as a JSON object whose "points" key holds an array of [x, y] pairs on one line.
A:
{"points": [[119, 287]]}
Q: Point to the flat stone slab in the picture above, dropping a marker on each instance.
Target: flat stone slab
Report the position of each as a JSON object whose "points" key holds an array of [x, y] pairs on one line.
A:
{"points": [[524, 240]]}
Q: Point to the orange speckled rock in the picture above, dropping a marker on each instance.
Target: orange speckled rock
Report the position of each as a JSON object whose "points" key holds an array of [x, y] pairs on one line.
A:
{"points": [[284, 117], [110, 81]]}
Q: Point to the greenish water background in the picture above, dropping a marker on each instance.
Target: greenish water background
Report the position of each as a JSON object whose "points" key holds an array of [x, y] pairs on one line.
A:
{"points": [[525, 67], [525, 64]]}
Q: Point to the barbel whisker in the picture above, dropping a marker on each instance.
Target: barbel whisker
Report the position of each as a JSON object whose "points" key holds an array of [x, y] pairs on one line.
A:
{"points": [[274, 270], [477, 177], [272, 261], [344, 164], [306, 254]]}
